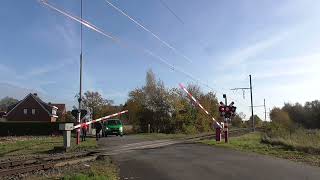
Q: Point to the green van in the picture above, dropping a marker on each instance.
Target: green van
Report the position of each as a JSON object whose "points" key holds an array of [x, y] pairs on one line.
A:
{"points": [[112, 126]]}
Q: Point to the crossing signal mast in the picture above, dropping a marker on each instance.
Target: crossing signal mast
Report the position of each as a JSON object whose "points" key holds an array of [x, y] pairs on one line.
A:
{"points": [[228, 112]]}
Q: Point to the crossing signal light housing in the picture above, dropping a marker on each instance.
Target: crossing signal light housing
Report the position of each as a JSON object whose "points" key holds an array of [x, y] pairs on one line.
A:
{"points": [[233, 110], [227, 111], [222, 109]]}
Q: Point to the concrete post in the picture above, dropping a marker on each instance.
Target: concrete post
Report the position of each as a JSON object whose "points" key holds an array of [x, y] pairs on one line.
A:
{"points": [[66, 128], [66, 139]]}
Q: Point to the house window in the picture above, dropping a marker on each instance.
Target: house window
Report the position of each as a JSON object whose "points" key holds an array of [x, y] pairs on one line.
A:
{"points": [[33, 111], [54, 112], [25, 111]]}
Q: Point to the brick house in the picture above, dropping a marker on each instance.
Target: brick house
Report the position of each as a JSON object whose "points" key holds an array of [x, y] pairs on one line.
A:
{"points": [[33, 109]]}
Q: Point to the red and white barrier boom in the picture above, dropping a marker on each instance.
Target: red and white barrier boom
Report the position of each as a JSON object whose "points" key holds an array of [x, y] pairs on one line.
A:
{"points": [[197, 102], [100, 119]]}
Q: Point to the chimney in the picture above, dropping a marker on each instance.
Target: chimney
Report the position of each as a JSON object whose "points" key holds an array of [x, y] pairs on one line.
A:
{"points": [[35, 94]]}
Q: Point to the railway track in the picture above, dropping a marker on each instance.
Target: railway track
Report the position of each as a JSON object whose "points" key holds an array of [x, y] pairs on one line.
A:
{"points": [[232, 133], [14, 167]]}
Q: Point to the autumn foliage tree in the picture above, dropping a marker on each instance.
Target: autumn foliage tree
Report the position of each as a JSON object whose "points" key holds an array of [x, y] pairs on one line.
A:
{"points": [[94, 102], [170, 110]]}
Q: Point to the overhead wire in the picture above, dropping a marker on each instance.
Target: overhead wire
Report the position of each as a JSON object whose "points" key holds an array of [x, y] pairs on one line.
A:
{"points": [[172, 12], [158, 38], [147, 30], [118, 41]]}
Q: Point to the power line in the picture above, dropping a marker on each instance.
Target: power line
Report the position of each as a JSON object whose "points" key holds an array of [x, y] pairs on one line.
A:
{"points": [[172, 12], [148, 30], [158, 38], [123, 44], [117, 40]]}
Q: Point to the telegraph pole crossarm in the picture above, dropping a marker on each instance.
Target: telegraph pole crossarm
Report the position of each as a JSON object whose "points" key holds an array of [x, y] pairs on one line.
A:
{"points": [[233, 89], [251, 97]]}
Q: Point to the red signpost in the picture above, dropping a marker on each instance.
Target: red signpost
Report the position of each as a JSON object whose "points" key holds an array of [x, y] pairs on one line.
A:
{"points": [[218, 134]]}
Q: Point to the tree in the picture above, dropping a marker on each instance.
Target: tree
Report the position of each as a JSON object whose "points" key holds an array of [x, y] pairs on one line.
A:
{"points": [[280, 117], [6, 102], [69, 117], [157, 103], [257, 121], [307, 115], [170, 110], [237, 120], [96, 103], [312, 114], [296, 112]]}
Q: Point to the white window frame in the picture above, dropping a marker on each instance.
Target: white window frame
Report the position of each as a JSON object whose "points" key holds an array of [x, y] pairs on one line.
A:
{"points": [[33, 111], [54, 112], [25, 111]]}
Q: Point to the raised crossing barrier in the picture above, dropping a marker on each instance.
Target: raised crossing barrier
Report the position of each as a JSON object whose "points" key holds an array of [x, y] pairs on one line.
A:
{"points": [[197, 102], [100, 119]]}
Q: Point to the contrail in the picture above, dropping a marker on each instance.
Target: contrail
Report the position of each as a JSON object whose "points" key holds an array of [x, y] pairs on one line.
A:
{"points": [[118, 41], [148, 30], [123, 44]]}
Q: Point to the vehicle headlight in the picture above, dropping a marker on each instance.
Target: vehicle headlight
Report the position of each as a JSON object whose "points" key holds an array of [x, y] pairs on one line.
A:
{"points": [[107, 128], [121, 128]]}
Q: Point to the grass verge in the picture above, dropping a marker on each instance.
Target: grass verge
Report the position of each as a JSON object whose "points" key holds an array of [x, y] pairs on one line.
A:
{"points": [[98, 170], [15, 146], [252, 143]]}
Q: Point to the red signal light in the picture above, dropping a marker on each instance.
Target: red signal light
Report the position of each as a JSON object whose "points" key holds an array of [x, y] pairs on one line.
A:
{"points": [[227, 108], [221, 109]]}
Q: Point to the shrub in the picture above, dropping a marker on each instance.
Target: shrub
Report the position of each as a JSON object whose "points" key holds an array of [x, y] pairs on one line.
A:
{"points": [[189, 129]]}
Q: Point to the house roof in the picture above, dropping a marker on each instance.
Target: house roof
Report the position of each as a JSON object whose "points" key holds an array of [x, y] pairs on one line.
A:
{"points": [[44, 105]]}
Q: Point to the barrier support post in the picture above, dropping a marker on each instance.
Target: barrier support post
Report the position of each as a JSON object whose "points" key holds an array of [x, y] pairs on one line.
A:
{"points": [[218, 134], [226, 133], [66, 128]]}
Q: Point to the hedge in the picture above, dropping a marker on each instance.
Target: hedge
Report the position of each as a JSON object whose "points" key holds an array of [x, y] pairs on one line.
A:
{"points": [[23, 128]]}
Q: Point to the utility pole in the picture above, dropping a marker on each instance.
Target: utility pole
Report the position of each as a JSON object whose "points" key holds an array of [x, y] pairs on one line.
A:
{"points": [[250, 88], [265, 110], [252, 115], [226, 135], [80, 89]]}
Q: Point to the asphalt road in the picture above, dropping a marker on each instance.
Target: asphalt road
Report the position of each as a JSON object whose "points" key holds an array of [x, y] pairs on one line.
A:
{"points": [[189, 161]]}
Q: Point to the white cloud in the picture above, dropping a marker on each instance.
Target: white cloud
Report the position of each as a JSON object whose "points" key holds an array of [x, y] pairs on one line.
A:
{"points": [[293, 66], [243, 54], [41, 70]]}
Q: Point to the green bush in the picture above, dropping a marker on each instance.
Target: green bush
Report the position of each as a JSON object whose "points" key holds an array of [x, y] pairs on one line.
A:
{"points": [[298, 138], [189, 129]]}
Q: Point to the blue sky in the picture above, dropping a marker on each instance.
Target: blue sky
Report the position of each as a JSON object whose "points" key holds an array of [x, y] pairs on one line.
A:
{"points": [[275, 41]]}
